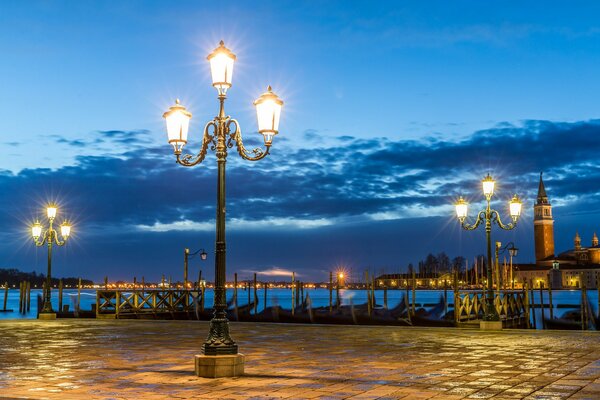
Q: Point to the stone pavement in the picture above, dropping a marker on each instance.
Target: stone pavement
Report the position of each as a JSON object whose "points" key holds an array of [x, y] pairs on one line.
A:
{"points": [[124, 359]]}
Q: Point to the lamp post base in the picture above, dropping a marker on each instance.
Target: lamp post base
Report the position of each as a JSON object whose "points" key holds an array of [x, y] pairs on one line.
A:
{"points": [[490, 325], [47, 315], [227, 366]]}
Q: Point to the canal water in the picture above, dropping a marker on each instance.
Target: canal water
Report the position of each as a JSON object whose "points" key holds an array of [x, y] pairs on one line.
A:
{"points": [[319, 298]]}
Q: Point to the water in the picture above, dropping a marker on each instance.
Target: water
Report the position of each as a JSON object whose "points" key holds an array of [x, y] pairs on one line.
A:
{"points": [[319, 298]]}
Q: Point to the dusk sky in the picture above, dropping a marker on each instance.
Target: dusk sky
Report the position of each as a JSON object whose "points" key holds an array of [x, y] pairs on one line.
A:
{"points": [[391, 112]]}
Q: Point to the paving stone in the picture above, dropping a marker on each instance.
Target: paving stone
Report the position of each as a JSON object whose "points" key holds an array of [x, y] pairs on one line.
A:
{"points": [[122, 359]]}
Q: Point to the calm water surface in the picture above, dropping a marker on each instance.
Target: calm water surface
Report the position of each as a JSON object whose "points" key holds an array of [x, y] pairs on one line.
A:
{"points": [[282, 297]]}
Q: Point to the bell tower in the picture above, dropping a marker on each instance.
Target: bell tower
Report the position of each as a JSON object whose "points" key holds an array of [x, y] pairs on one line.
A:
{"points": [[543, 225]]}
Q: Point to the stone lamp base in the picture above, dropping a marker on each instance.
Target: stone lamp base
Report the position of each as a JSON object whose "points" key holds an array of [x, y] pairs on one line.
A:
{"points": [[219, 366]]}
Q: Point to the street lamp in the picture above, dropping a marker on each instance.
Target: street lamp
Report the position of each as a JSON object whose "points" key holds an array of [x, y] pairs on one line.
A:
{"points": [[488, 216], [221, 134], [49, 237], [512, 251], [186, 257]]}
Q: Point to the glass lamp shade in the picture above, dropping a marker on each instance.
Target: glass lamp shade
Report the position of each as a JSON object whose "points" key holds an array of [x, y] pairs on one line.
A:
{"points": [[488, 186], [515, 207], [36, 230], [513, 251], [462, 208], [203, 255], [221, 67], [178, 123], [65, 229], [51, 211], [268, 111]]}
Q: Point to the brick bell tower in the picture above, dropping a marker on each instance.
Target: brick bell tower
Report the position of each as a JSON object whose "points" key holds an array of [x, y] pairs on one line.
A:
{"points": [[543, 225]]}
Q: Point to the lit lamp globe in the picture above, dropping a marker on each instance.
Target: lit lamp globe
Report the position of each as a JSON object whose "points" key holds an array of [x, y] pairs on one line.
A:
{"points": [[178, 123], [488, 186], [462, 208], [51, 211], [221, 68], [515, 207], [268, 111], [65, 229], [36, 230]]}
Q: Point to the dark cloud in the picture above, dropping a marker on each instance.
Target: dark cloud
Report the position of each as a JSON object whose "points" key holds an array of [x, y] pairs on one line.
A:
{"points": [[346, 182]]}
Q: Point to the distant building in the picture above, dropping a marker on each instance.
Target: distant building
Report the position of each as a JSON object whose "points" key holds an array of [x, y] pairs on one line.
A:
{"points": [[393, 281], [571, 268]]}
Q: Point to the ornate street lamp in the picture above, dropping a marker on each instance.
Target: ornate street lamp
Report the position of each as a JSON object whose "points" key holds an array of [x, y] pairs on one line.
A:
{"points": [[512, 251], [221, 134], [186, 256], [488, 216], [49, 237]]}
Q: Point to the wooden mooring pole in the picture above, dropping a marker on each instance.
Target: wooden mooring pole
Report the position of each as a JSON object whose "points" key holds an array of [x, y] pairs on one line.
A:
{"points": [[60, 295], [28, 296], [79, 295], [248, 291], [542, 304], [293, 297], [235, 296], [265, 297], [255, 296], [368, 292], [550, 305], [527, 304], [5, 295], [532, 299], [385, 302], [414, 291], [20, 297], [330, 291]]}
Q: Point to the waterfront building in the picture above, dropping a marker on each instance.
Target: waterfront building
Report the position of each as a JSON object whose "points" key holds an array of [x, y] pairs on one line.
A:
{"points": [[569, 269]]}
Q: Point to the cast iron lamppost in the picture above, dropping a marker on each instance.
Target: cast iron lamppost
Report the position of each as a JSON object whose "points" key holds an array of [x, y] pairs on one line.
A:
{"points": [[512, 251], [488, 216], [49, 237], [221, 134], [186, 257]]}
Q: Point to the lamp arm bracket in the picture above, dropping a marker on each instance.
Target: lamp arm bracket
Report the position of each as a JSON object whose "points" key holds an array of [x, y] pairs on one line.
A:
{"points": [[236, 137], [478, 221], [495, 215], [189, 160], [41, 242]]}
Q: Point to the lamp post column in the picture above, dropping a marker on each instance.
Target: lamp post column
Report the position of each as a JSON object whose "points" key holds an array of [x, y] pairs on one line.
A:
{"points": [[219, 342], [47, 302], [491, 314]]}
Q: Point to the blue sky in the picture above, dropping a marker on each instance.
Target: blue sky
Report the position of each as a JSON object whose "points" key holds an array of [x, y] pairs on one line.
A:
{"points": [[391, 111]]}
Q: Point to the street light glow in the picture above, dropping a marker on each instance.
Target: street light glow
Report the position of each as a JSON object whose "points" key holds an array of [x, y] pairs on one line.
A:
{"points": [[515, 207], [51, 211], [268, 111], [65, 229], [462, 208], [488, 186], [36, 230], [178, 123], [221, 67]]}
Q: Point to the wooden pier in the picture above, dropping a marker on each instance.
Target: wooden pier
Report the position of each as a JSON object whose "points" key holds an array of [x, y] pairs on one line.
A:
{"points": [[137, 303]]}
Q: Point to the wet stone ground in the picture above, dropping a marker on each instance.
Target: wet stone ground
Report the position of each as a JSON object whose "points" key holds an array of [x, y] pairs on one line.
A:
{"points": [[89, 359]]}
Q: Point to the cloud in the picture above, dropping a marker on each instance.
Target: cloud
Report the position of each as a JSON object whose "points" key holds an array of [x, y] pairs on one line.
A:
{"points": [[335, 200], [353, 179], [271, 272]]}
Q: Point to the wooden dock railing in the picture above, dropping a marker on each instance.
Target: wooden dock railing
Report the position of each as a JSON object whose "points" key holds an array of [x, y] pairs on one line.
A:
{"points": [[512, 306], [128, 302]]}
